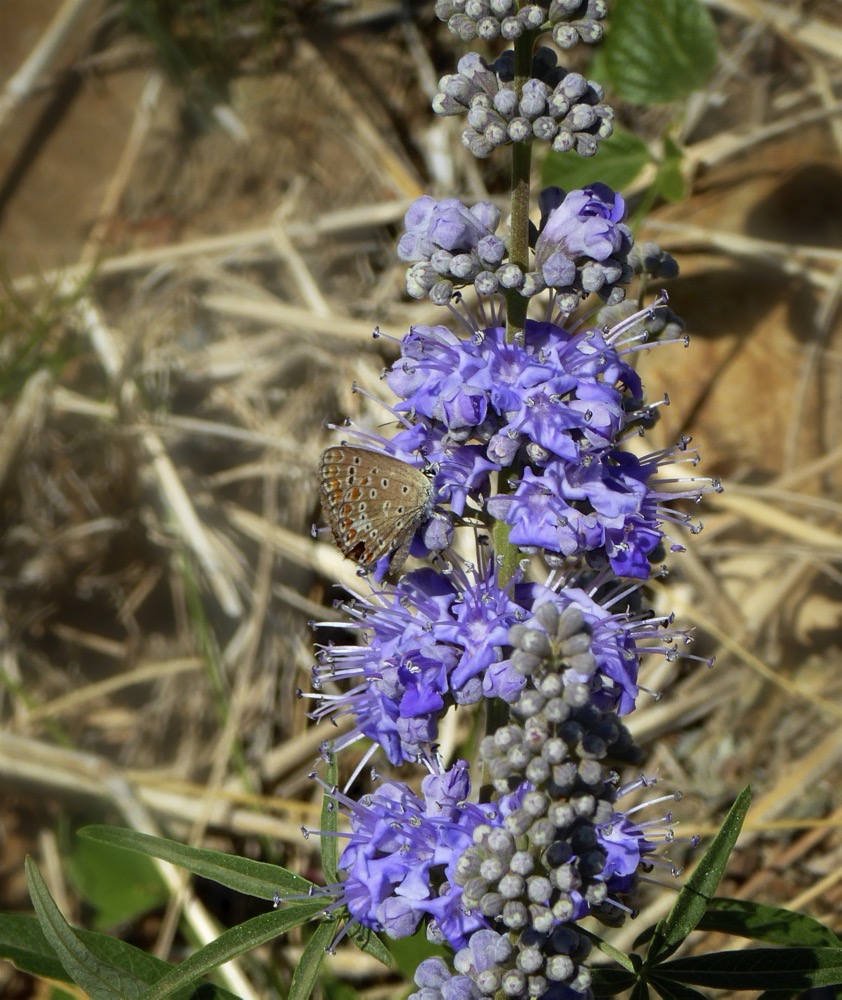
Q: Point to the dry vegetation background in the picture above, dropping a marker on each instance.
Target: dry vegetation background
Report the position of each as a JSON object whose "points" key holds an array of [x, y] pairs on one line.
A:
{"points": [[197, 241]]}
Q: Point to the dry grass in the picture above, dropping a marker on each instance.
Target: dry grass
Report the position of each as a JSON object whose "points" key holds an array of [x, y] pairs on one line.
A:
{"points": [[172, 342]]}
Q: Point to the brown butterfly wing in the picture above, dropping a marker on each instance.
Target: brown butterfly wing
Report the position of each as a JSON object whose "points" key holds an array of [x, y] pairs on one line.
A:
{"points": [[373, 503]]}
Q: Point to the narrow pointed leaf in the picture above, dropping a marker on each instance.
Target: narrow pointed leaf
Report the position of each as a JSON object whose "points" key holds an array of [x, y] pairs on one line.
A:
{"points": [[674, 991], [640, 991], [366, 940], [772, 924], [611, 982], [778, 969], [254, 878], [330, 824], [620, 957], [232, 943], [307, 970], [22, 942], [700, 887], [100, 979]]}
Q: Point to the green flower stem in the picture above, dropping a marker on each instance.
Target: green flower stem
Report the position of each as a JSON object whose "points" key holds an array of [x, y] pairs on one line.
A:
{"points": [[516, 304]]}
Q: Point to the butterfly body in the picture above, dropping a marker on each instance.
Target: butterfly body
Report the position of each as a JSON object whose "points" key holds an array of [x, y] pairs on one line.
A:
{"points": [[374, 503]]}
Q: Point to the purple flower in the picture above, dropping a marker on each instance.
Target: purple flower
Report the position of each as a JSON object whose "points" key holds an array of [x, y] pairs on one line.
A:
{"points": [[402, 851], [540, 516], [586, 223], [484, 404], [606, 502], [432, 640], [435, 640], [447, 225]]}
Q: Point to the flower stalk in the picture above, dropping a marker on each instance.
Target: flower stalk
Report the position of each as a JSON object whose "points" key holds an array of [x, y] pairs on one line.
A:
{"points": [[509, 429]]}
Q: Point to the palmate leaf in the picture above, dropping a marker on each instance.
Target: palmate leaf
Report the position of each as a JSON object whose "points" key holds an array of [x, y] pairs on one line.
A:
{"points": [[698, 890], [611, 982], [366, 940], [254, 878], [24, 944]]}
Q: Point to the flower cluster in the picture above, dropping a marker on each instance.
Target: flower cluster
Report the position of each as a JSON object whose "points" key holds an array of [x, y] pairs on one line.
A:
{"points": [[434, 640], [547, 411], [553, 106], [582, 246], [515, 428], [500, 883], [570, 21]]}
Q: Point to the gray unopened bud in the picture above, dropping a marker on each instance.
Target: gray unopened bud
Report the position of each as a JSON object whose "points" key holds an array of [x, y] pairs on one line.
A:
{"points": [[486, 283], [441, 292], [519, 130]]}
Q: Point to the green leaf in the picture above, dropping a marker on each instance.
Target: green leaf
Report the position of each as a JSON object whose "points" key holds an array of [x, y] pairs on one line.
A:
{"points": [[22, 941], [773, 924], [674, 991], [609, 982], [366, 940], [659, 51], [699, 888], [617, 162], [640, 991], [620, 957], [232, 943], [330, 823], [57, 993], [100, 979], [776, 969], [333, 989], [117, 886], [254, 878], [409, 952], [307, 971], [669, 182]]}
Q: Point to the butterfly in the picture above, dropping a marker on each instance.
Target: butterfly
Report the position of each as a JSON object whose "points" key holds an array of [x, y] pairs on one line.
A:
{"points": [[374, 503]]}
